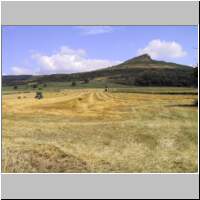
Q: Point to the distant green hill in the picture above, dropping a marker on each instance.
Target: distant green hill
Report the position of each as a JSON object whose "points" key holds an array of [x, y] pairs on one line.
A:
{"points": [[141, 70]]}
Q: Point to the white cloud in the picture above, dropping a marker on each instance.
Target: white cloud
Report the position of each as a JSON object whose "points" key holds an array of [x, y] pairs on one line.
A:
{"points": [[20, 71], [94, 30], [68, 60], [163, 49]]}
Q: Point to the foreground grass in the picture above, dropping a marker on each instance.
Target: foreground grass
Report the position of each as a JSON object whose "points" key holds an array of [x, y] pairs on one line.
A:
{"points": [[89, 130]]}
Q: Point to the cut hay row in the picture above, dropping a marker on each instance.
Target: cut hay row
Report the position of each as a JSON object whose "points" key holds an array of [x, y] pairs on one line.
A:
{"points": [[96, 131]]}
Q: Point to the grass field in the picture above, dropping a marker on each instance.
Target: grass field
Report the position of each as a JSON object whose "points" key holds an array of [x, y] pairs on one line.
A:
{"points": [[89, 130], [57, 86]]}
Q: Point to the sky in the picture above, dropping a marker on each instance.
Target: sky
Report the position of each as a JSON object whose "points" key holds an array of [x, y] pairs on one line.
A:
{"points": [[40, 50]]}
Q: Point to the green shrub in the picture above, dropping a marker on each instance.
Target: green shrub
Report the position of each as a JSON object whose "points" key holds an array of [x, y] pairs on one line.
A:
{"points": [[39, 95], [15, 87], [34, 86], [73, 83]]}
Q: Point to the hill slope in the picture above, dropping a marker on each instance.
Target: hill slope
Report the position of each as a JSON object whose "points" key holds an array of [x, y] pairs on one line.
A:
{"points": [[145, 61], [141, 70]]}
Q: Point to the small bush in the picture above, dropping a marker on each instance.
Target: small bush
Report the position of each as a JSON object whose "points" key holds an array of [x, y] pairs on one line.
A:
{"points": [[39, 95], [15, 87], [106, 88], [86, 81], [34, 86], [73, 83]]}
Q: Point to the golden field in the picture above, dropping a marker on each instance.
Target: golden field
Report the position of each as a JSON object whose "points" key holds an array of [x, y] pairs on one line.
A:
{"points": [[89, 130]]}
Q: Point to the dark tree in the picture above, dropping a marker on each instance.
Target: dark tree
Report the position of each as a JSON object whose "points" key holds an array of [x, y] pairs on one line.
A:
{"points": [[196, 76], [86, 81], [165, 78], [34, 86], [15, 87], [73, 83]]}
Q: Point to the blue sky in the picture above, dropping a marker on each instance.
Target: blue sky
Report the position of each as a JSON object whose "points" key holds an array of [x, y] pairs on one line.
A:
{"points": [[68, 49]]}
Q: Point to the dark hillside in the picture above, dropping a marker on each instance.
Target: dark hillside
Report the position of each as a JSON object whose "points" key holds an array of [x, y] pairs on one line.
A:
{"points": [[141, 71]]}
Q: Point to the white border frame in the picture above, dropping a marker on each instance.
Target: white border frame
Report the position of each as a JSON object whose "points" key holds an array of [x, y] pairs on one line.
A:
{"points": [[134, 193]]}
